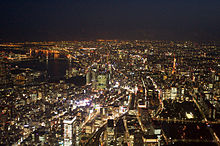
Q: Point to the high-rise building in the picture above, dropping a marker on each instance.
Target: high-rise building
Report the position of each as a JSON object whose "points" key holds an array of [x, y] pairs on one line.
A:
{"points": [[88, 78], [173, 92], [110, 131], [94, 78], [69, 131], [101, 81]]}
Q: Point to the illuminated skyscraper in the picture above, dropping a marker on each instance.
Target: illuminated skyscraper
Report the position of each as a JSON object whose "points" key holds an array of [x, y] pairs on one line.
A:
{"points": [[93, 78], [110, 131], [69, 131], [101, 81], [88, 77]]}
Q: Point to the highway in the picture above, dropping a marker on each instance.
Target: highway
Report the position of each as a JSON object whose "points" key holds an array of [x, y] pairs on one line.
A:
{"points": [[185, 121], [116, 117], [140, 123], [98, 132], [28, 132], [214, 135], [190, 140], [91, 117]]}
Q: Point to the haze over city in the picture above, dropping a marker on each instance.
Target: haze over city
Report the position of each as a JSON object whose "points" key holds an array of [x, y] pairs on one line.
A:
{"points": [[110, 73], [67, 20]]}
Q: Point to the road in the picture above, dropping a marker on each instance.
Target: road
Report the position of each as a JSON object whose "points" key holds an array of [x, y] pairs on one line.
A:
{"points": [[214, 135], [28, 133]]}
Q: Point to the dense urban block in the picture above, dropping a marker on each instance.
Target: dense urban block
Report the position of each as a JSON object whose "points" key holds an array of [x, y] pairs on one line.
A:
{"points": [[110, 92]]}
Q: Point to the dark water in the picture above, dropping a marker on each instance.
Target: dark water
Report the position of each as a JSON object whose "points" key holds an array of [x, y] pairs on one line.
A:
{"points": [[55, 68]]}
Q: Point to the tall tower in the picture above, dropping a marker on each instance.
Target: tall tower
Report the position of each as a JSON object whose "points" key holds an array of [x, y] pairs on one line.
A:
{"points": [[69, 131], [30, 52], [174, 65]]}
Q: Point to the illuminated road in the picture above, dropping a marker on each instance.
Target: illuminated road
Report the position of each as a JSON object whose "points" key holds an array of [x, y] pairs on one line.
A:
{"points": [[98, 132], [191, 140], [28, 132], [185, 121], [89, 118], [160, 92], [127, 135], [214, 135], [139, 121]]}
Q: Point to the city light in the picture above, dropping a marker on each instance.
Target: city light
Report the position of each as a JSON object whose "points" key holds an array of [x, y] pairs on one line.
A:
{"points": [[109, 92]]}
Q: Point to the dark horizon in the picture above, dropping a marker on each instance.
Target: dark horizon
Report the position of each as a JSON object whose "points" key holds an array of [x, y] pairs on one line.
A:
{"points": [[53, 20]]}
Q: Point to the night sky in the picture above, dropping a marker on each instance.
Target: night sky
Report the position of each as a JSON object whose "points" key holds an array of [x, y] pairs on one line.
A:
{"points": [[35, 20]]}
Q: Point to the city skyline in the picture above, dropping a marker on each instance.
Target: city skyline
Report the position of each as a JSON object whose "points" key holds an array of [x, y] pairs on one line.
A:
{"points": [[110, 72], [125, 20], [109, 93]]}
